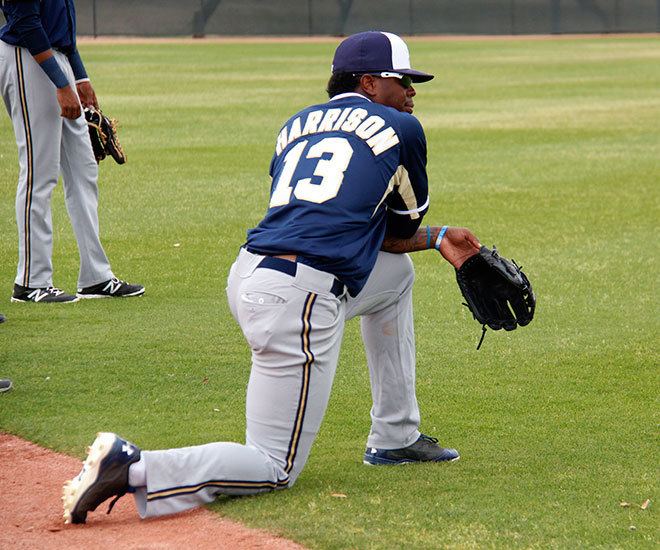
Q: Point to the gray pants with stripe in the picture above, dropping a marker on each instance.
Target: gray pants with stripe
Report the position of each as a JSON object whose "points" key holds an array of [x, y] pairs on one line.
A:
{"points": [[294, 326], [47, 145]]}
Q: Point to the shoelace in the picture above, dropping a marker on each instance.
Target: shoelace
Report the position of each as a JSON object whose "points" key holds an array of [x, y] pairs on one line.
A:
{"points": [[428, 438], [114, 501], [483, 335], [55, 291], [483, 329]]}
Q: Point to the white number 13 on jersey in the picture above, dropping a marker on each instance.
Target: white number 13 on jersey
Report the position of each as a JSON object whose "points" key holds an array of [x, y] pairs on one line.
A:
{"points": [[330, 170]]}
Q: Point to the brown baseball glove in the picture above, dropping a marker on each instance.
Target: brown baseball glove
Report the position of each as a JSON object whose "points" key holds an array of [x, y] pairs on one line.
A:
{"points": [[103, 135]]}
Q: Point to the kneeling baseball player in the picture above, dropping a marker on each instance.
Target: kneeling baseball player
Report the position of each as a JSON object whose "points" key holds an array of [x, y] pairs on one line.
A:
{"points": [[349, 191]]}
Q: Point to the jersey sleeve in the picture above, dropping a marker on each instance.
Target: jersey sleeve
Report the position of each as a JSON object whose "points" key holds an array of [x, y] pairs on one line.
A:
{"points": [[272, 165], [77, 65], [409, 200], [25, 20]]}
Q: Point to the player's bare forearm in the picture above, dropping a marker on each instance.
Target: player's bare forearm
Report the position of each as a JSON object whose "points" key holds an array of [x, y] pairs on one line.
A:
{"points": [[42, 56], [456, 245], [419, 241]]}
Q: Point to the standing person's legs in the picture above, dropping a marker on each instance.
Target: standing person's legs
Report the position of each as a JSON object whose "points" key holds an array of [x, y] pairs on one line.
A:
{"points": [[31, 102], [385, 307], [80, 177]]}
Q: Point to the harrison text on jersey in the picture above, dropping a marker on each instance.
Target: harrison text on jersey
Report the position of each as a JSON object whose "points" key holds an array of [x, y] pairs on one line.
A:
{"points": [[350, 119]]}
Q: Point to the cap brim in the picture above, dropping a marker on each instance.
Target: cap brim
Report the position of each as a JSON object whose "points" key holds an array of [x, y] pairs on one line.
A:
{"points": [[416, 76]]}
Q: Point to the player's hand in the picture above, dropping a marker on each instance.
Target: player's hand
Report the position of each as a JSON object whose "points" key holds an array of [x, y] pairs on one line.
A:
{"points": [[69, 103], [459, 244], [87, 95]]}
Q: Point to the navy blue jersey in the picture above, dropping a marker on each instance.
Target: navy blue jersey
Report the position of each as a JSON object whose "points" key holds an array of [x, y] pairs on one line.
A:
{"points": [[344, 174], [40, 25]]}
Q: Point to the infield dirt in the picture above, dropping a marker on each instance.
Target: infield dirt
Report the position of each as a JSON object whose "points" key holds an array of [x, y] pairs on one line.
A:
{"points": [[31, 479]]}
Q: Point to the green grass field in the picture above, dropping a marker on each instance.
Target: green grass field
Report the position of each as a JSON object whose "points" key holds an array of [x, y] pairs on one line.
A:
{"points": [[550, 149]]}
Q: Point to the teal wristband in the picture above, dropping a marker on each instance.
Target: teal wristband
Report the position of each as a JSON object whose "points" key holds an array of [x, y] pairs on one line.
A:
{"points": [[428, 236], [443, 230]]}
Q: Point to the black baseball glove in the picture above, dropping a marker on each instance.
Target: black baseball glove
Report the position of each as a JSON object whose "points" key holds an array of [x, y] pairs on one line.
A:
{"points": [[103, 135], [497, 292]]}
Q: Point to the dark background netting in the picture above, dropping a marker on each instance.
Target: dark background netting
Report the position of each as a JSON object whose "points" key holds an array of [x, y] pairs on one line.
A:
{"points": [[339, 17]]}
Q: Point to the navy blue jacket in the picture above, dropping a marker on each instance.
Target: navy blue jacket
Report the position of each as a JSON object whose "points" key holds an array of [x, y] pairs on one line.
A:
{"points": [[40, 25]]}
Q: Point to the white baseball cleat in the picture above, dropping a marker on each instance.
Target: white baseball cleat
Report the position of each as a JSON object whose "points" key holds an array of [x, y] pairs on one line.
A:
{"points": [[104, 474]]}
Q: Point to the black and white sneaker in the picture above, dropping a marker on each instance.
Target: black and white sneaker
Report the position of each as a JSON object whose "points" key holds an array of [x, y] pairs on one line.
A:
{"points": [[114, 288], [2, 318], [44, 295], [104, 475], [425, 449], [5, 385]]}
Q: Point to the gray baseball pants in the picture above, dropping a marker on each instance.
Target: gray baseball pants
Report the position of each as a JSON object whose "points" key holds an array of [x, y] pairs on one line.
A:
{"points": [[47, 145], [294, 326]]}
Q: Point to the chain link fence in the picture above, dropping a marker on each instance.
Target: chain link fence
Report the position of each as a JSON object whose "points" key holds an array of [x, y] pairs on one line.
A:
{"points": [[343, 17]]}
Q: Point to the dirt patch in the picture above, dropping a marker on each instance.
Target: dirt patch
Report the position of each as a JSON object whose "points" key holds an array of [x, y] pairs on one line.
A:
{"points": [[31, 479]]}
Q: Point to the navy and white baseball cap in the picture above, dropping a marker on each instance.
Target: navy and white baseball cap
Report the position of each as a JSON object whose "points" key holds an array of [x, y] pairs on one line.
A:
{"points": [[375, 52]]}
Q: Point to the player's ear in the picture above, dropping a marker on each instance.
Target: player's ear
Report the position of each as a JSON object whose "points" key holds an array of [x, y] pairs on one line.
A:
{"points": [[368, 83]]}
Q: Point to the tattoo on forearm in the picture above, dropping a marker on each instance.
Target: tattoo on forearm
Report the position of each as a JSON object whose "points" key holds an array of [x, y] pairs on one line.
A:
{"points": [[413, 244]]}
